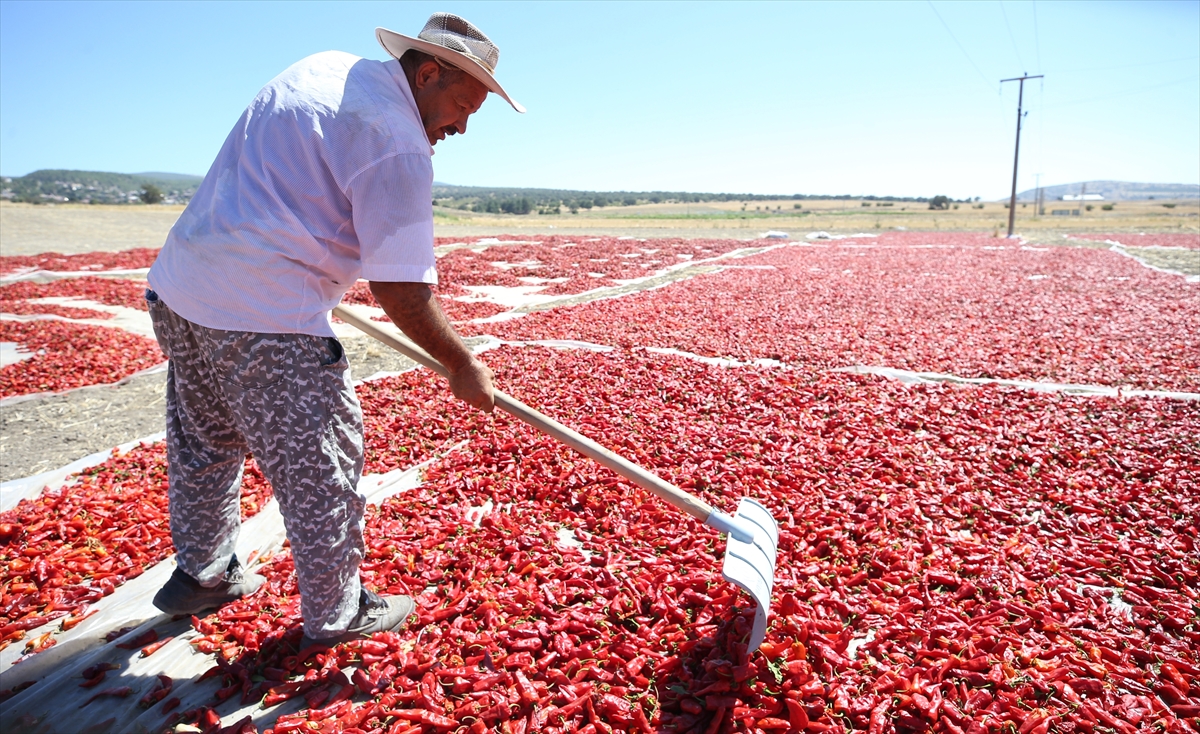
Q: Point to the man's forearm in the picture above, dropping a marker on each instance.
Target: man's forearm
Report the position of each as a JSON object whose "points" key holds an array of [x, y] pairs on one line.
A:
{"points": [[415, 310]]}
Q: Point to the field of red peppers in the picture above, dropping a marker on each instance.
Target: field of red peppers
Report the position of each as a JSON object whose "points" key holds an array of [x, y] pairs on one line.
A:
{"points": [[951, 559], [915, 301]]}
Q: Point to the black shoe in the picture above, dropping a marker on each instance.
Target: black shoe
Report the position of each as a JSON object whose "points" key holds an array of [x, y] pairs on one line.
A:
{"points": [[375, 614], [182, 594]]}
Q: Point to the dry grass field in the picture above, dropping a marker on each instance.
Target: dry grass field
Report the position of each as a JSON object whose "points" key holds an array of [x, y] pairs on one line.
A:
{"points": [[729, 219], [28, 229]]}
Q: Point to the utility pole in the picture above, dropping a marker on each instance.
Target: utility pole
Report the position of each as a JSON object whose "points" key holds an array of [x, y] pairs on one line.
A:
{"points": [[1037, 199], [1012, 202]]}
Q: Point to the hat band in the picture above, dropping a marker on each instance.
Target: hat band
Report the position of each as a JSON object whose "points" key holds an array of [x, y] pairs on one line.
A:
{"points": [[471, 56], [478, 60]]}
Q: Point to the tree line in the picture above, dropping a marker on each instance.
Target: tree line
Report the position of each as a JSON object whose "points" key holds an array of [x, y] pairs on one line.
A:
{"points": [[504, 200]]}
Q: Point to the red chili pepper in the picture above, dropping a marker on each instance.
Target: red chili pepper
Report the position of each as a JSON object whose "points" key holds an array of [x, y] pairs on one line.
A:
{"points": [[152, 648], [525, 689], [70, 622], [158, 692], [120, 692], [424, 717], [95, 680]]}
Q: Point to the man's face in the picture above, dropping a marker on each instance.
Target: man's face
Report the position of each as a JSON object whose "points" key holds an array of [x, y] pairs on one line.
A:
{"points": [[445, 107]]}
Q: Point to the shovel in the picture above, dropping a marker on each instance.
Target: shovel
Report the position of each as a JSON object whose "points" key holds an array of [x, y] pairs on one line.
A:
{"points": [[753, 533]]}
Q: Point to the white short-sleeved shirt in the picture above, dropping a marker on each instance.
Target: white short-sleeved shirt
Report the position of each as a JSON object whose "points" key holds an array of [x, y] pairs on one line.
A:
{"points": [[326, 178]]}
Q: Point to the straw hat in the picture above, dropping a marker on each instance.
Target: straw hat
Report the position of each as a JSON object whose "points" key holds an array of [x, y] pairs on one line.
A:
{"points": [[455, 41]]}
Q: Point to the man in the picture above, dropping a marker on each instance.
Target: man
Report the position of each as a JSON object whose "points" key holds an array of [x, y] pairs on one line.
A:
{"points": [[326, 178]]}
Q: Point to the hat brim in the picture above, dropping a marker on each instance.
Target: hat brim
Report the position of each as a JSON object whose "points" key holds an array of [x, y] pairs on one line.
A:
{"points": [[396, 44]]}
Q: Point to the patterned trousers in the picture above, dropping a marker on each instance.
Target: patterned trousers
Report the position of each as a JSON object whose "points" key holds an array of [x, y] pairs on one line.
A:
{"points": [[287, 399]]}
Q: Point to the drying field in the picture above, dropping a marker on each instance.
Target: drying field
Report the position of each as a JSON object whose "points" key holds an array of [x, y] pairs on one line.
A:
{"points": [[983, 454]]}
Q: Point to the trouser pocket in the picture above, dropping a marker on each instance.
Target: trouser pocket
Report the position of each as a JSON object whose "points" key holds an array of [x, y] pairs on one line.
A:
{"points": [[159, 318], [336, 353]]}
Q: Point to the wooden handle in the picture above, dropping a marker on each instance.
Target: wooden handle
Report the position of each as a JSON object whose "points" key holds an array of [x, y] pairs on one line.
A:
{"points": [[671, 494]]}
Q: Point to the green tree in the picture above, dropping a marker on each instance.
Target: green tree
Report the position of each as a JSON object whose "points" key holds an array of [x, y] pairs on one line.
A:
{"points": [[939, 202], [516, 206], [151, 194]]}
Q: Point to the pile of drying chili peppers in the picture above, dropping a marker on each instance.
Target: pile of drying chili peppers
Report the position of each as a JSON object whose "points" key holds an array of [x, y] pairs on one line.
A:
{"points": [[558, 265], [456, 310], [68, 548], [1067, 314], [111, 291], [25, 308], [67, 355], [950, 559], [142, 257], [566, 265]]}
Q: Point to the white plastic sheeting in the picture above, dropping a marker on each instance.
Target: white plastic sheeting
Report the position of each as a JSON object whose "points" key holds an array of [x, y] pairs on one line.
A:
{"points": [[911, 377], [12, 353]]}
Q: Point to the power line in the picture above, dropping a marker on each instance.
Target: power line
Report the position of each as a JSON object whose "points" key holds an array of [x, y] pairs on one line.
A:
{"points": [[1125, 66], [1040, 156], [960, 46], [1010, 35], [1037, 44], [1124, 93]]}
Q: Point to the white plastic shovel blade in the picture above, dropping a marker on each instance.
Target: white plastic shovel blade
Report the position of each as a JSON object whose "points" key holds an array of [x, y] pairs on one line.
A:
{"points": [[752, 565]]}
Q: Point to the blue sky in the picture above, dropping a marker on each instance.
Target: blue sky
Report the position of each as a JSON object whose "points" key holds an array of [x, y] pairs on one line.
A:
{"points": [[897, 98]]}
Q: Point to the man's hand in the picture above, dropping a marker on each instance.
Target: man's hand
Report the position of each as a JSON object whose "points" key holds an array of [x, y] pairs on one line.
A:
{"points": [[473, 385], [413, 308]]}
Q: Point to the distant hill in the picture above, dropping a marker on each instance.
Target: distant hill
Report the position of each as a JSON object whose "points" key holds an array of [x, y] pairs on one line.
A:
{"points": [[1117, 191], [98, 187], [185, 178]]}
